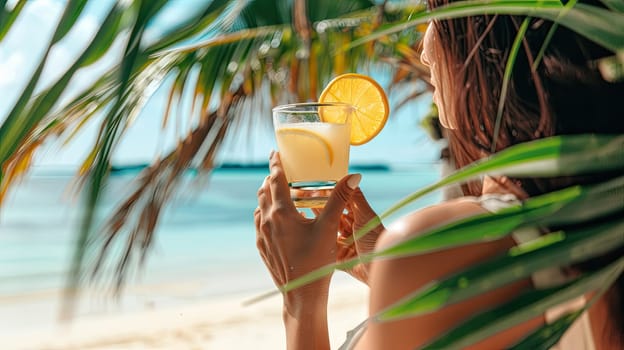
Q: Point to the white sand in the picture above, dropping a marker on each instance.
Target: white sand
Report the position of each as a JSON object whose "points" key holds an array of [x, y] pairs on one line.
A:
{"points": [[221, 323]]}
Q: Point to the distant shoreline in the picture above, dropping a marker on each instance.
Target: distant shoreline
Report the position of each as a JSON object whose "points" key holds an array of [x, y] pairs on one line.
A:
{"points": [[130, 169]]}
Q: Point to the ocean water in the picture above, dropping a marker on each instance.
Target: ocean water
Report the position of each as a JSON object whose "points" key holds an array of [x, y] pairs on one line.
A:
{"points": [[204, 245]]}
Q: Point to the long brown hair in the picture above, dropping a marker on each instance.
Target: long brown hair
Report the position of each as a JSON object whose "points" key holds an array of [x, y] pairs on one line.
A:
{"points": [[565, 94]]}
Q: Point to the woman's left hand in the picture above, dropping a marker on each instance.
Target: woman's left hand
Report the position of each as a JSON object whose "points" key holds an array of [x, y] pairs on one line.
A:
{"points": [[290, 244]]}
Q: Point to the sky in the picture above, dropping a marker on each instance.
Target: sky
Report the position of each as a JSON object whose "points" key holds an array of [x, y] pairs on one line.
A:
{"points": [[400, 143]]}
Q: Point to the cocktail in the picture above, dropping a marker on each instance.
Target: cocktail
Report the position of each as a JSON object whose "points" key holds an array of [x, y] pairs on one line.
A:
{"points": [[314, 138], [314, 154]]}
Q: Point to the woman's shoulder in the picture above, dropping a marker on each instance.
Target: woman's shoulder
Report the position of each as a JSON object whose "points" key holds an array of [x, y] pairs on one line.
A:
{"points": [[423, 220], [417, 222]]}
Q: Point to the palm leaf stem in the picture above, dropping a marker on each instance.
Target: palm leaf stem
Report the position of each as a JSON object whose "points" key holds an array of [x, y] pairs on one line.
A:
{"points": [[511, 60]]}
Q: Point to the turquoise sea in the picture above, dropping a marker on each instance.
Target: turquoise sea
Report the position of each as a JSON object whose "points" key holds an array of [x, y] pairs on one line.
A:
{"points": [[204, 246]]}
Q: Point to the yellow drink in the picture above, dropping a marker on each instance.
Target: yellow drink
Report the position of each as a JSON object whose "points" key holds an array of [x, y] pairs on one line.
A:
{"points": [[314, 152]]}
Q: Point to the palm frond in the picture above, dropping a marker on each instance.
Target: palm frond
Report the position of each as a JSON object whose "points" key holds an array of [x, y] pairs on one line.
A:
{"points": [[225, 57], [614, 5], [98, 174], [26, 126], [155, 187], [509, 66], [15, 127]]}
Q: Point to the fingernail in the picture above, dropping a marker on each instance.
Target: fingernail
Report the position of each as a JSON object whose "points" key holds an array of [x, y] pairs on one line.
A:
{"points": [[354, 181], [271, 154]]}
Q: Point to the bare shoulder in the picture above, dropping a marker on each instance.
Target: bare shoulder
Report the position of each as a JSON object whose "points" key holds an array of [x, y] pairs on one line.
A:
{"points": [[408, 274], [427, 218]]}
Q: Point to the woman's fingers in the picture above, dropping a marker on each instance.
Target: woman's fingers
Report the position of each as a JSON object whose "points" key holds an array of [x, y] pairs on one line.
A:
{"points": [[267, 251], [280, 192], [261, 233], [345, 228], [362, 210], [339, 197], [264, 195], [348, 219], [360, 203]]}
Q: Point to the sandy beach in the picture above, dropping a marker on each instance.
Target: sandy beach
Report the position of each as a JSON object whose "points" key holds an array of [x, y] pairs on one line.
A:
{"points": [[216, 323]]}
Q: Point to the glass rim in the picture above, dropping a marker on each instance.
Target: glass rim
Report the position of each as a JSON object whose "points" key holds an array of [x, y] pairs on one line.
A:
{"points": [[300, 107]]}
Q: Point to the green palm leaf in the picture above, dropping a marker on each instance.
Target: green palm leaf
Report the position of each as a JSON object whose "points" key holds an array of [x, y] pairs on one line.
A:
{"points": [[26, 122], [15, 126], [8, 16], [213, 16], [599, 25], [545, 210]]}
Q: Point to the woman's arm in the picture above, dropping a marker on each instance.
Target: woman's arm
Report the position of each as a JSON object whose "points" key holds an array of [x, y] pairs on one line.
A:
{"points": [[305, 317]]}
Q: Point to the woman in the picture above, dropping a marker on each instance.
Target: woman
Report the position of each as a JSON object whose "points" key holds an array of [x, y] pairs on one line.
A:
{"points": [[467, 61]]}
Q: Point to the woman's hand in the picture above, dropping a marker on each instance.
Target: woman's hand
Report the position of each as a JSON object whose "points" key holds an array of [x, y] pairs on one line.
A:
{"points": [[292, 245], [358, 215]]}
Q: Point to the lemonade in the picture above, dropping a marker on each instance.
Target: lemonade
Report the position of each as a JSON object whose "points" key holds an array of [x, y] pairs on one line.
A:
{"points": [[314, 153]]}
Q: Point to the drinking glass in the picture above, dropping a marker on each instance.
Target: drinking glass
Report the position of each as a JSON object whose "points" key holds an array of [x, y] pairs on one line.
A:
{"points": [[314, 154]]}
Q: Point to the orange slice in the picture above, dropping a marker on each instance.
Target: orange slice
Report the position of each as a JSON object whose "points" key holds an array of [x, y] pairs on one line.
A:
{"points": [[369, 102], [293, 137]]}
